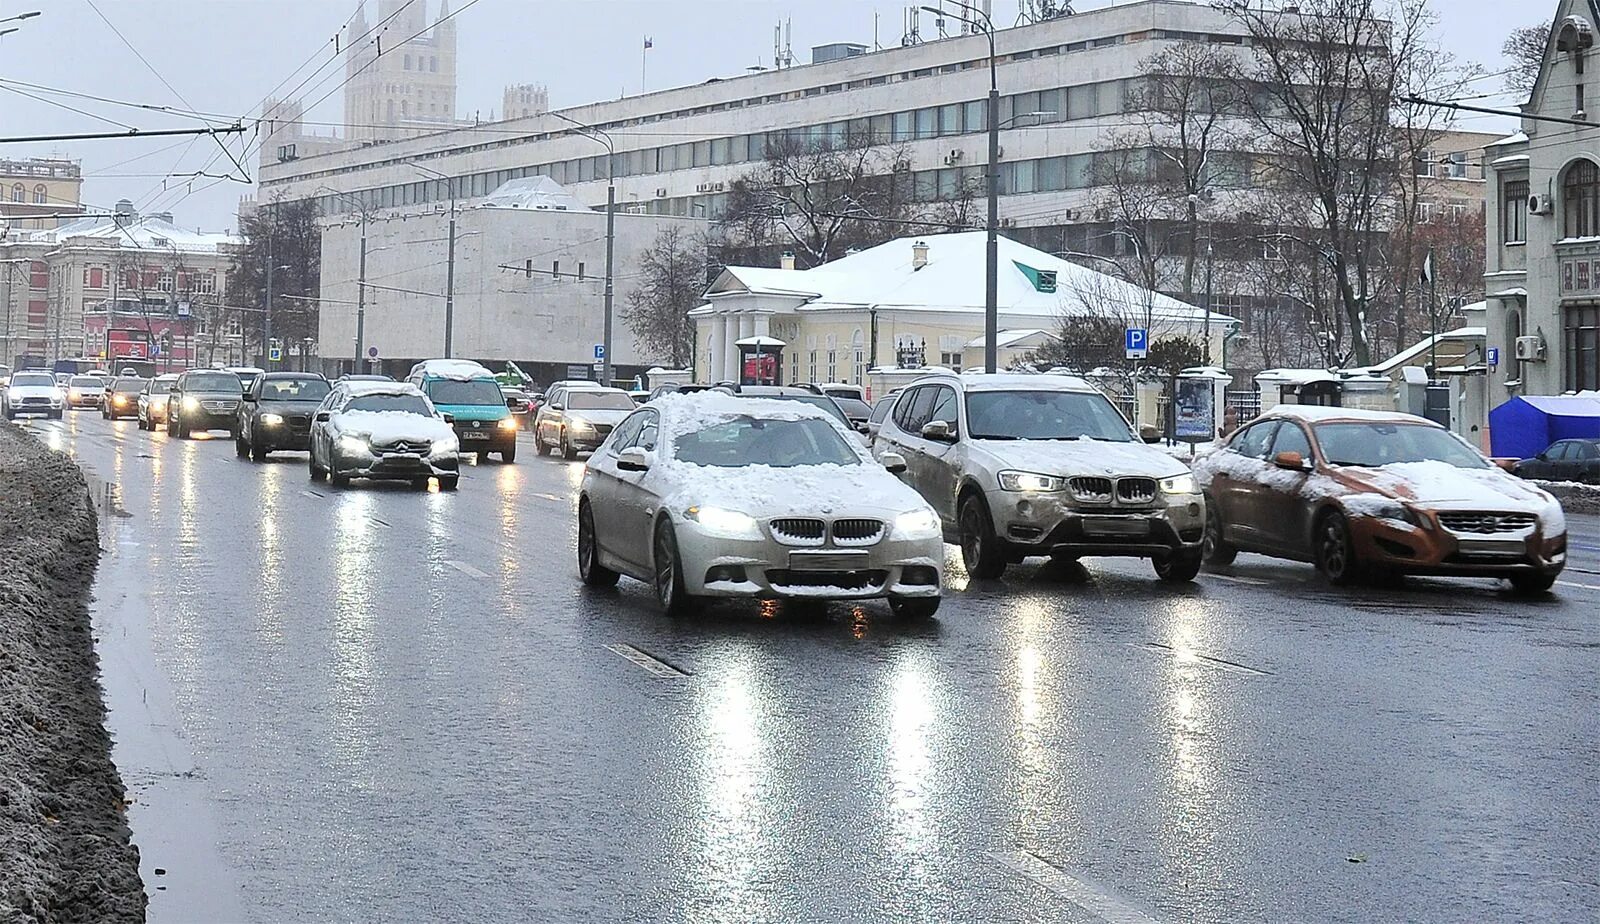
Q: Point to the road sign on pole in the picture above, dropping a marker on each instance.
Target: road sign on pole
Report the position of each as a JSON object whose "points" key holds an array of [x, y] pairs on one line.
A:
{"points": [[599, 352], [1136, 342], [372, 352], [275, 354], [1492, 357]]}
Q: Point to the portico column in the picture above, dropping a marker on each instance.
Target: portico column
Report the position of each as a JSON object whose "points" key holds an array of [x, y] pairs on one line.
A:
{"points": [[730, 352], [713, 347], [763, 325]]}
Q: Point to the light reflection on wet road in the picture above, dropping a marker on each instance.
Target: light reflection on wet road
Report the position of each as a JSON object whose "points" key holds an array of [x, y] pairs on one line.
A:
{"points": [[386, 736]]}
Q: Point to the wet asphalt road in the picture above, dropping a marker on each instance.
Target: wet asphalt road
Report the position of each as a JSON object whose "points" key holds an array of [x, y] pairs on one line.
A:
{"points": [[403, 706]]}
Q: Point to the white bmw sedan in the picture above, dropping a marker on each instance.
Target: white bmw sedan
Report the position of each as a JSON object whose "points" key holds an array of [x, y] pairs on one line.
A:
{"points": [[709, 495]]}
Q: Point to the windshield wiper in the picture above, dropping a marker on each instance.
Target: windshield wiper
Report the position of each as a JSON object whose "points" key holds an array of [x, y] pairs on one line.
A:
{"points": [[990, 436]]}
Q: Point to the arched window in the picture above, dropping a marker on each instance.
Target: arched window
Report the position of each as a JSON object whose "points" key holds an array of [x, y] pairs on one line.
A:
{"points": [[1580, 200], [18, 193], [41, 196]]}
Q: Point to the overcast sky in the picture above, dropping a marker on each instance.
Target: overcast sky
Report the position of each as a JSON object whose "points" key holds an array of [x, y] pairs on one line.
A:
{"points": [[223, 56]]}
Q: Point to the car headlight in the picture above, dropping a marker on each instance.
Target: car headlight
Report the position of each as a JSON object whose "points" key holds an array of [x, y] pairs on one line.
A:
{"points": [[444, 447], [271, 420], [729, 524], [1552, 519], [120, 399], [354, 445], [191, 404], [578, 423], [508, 423], [1029, 481], [918, 524], [1178, 484], [1393, 510]]}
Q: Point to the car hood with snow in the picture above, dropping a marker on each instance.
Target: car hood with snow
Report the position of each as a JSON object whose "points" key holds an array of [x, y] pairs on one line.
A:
{"points": [[388, 427], [1083, 457], [1442, 486]]}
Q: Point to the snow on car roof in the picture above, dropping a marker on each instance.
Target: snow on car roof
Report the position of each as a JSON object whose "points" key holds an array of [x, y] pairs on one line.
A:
{"points": [[1017, 381], [1312, 413], [359, 388], [704, 408], [463, 370]]}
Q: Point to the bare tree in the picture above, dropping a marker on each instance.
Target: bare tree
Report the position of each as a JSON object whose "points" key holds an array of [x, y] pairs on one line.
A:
{"points": [[672, 282], [1321, 95], [1525, 48]]}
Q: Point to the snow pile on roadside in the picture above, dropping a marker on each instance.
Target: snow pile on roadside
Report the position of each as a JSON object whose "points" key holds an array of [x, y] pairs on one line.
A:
{"points": [[1574, 497], [65, 854]]}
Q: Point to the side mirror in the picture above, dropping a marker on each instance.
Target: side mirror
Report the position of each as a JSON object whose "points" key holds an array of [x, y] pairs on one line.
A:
{"points": [[939, 431], [324, 416], [634, 459], [1293, 461], [448, 418], [173, 390], [248, 397], [893, 462]]}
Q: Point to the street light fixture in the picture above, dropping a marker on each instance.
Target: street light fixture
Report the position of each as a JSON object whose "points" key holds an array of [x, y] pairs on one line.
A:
{"points": [[450, 258], [991, 297], [599, 136]]}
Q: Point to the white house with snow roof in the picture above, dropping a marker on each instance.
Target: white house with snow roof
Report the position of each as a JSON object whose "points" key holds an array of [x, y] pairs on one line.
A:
{"points": [[919, 297]]}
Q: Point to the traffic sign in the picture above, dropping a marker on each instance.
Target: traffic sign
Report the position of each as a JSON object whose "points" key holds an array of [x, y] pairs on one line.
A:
{"points": [[275, 354], [1492, 357], [372, 352], [599, 352], [155, 348], [1136, 342]]}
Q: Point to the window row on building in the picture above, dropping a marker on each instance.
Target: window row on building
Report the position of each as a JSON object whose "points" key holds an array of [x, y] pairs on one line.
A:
{"points": [[41, 194]]}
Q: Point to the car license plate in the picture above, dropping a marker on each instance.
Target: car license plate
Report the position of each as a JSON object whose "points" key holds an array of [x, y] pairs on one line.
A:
{"points": [[475, 435], [1116, 526], [827, 561], [1506, 547]]}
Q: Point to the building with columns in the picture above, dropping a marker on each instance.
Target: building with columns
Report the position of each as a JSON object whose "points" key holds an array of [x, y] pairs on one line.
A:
{"points": [[918, 299]]}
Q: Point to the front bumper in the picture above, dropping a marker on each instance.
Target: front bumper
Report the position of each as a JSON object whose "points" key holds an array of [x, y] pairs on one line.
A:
{"points": [[121, 408], [1040, 523], [155, 412], [587, 439], [281, 437], [27, 407], [1429, 549], [764, 568], [396, 466], [488, 436], [83, 400]]}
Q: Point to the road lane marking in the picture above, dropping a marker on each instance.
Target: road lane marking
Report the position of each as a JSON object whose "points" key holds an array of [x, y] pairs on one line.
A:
{"points": [[377, 522], [1254, 582], [311, 494], [1219, 663], [554, 497], [655, 666], [1081, 892], [1576, 584], [467, 569]]}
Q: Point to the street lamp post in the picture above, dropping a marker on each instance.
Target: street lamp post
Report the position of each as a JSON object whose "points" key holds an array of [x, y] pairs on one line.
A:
{"points": [[599, 136], [450, 261], [361, 279], [991, 281]]}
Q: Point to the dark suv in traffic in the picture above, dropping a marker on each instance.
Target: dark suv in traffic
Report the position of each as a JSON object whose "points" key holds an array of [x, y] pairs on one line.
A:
{"points": [[203, 399], [275, 414]]}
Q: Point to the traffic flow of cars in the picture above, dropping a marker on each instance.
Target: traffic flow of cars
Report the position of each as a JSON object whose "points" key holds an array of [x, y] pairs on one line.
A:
{"points": [[775, 492]]}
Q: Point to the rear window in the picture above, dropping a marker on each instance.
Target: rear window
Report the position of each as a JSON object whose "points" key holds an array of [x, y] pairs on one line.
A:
{"points": [[598, 401], [128, 386], [307, 389]]}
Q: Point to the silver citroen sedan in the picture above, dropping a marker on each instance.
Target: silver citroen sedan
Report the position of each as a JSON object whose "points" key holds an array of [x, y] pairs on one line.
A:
{"points": [[711, 495]]}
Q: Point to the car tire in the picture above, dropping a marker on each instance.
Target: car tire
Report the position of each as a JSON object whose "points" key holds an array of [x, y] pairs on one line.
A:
{"points": [[339, 479], [1217, 551], [1333, 549], [241, 448], [1180, 567], [539, 448], [667, 571], [1532, 583], [914, 607], [316, 470], [980, 548], [258, 451], [590, 570], [449, 482], [567, 452], [508, 455]]}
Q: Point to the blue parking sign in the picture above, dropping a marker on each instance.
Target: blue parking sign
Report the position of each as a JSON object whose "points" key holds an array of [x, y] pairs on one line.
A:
{"points": [[1492, 356], [1136, 342], [599, 352]]}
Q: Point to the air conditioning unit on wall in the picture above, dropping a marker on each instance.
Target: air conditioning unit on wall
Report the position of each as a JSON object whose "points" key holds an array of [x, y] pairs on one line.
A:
{"points": [[1530, 349], [1540, 205]]}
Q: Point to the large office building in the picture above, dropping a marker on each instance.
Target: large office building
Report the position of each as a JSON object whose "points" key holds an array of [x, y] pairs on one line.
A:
{"points": [[1066, 86]]}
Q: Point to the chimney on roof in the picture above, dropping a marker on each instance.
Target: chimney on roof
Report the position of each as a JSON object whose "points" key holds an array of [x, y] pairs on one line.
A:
{"points": [[787, 260], [919, 255]]}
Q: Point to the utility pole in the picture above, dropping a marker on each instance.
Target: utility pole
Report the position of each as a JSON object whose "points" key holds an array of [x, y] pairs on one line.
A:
{"points": [[361, 299], [450, 258], [266, 311], [599, 136], [1209, 242]]}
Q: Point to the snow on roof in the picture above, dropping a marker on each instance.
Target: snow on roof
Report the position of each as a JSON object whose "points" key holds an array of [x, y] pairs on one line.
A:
{"points": [[1296, 376], [363, 387], [1008, 338], [884, 277], [1422, 346], [1316, 412], [539, 193], [462, 370], [1518, 138], [148, 232]]}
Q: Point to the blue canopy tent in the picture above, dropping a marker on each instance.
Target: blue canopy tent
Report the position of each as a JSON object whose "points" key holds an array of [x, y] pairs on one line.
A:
{"points": [[1524, 427]]}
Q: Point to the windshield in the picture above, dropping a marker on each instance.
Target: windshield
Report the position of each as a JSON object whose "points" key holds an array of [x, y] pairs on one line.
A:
{"points": [[222, 382], [294, 390], [853, 407], [33, 378], [86, 381], [1377, 444], [405, 404], [128, 386], [1044, 415], [164, 383], [476, 391], [745, 440], [598, 401]]}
